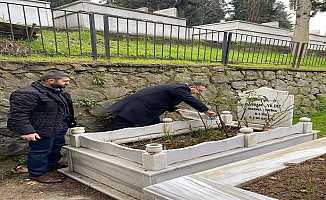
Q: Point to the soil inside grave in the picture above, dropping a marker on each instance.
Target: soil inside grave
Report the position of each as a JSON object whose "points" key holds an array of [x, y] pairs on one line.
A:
{"points": [[306, 180], [185, 140]]}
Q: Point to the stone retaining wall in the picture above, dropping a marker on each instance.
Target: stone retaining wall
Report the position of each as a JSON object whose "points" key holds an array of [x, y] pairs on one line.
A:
{"points": [[122, 79]]}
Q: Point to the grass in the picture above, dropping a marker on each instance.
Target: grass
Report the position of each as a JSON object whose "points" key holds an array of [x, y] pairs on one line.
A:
{"points": [[159, 48], [318, 118], [84, 59], [122, 46], [318, 121]]}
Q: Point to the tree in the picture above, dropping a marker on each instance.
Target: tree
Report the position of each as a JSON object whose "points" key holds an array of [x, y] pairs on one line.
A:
{"points": [[199, 12], [56, 3], [195, 11], [254, 10], [151, 4], [304, 10], [318, 6], [282, 16], [259, 11]]}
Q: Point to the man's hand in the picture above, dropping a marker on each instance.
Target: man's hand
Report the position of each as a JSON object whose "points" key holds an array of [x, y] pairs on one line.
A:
{"points": [[211, 113], [180, 110], [31, 137]]}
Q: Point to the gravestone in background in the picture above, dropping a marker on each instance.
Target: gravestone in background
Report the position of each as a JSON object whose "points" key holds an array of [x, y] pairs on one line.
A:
{"points": [[266, 107]]}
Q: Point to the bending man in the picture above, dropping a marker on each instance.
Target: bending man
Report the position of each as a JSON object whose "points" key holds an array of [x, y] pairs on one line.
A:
{"points": [[145, 106]]}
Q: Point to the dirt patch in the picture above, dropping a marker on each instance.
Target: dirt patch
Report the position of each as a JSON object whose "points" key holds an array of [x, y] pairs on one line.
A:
{"points": [[10, 47], [305, 180], [20, 187], [185, 140]]}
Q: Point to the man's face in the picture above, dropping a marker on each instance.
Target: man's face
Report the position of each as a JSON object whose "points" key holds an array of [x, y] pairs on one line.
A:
{"points": [[60, 83], [197, 89]]}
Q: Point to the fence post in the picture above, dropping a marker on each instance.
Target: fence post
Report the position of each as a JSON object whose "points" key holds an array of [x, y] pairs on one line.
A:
{"points": [[106, 36], [298, 53], [93, 35], [227, 38]]}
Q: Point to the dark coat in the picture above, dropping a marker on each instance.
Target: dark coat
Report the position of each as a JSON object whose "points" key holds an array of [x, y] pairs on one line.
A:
{"points": [[38, 109], [145, 106]]}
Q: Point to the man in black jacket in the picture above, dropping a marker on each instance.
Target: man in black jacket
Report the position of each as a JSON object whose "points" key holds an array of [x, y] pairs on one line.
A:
{"points": [[41, 114], [145, 106]]}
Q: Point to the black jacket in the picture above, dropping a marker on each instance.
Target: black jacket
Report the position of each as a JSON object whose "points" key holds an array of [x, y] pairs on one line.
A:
{"points": [[38, 109], [145, 106]]}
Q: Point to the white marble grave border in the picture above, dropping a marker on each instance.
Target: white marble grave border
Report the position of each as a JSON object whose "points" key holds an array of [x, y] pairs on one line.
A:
{"points": [[128, 171], [109, 142]]}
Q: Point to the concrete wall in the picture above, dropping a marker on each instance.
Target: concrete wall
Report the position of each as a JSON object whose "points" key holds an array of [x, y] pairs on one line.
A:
{"points": [[17, 12], [158, 18]]}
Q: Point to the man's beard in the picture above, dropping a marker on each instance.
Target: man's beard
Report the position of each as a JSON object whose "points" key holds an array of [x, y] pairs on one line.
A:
{"points": [[56, 85]]}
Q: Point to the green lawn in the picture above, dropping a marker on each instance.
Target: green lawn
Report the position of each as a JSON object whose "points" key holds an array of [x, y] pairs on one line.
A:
{"points": [[158, 48], [75, 44], [318, 118]]}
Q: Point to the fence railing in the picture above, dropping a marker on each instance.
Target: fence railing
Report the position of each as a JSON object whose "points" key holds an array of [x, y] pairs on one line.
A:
{"points": [[97, 35]]}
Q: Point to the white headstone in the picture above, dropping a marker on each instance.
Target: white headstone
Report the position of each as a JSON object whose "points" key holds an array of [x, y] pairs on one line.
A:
{"points": [[144, 9], [272, 24], [173, 12], [316, 32], [266, 107]]}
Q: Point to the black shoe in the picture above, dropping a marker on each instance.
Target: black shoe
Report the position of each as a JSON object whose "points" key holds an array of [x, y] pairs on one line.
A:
{"points": [[59, 166], [47, 179]]}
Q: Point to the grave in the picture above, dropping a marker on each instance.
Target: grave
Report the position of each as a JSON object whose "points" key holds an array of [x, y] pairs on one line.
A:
{"points": [[266, 107], [36, 12], [223, 182], [102, 162], [120, 20]]}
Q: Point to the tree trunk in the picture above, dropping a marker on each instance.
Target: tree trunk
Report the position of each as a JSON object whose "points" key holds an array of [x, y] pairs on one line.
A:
{"points": [[254, 10], [301, 31]]}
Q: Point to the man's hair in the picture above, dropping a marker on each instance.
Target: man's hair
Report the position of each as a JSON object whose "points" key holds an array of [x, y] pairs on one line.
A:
{"points": [[56, 75], [197, 83]]}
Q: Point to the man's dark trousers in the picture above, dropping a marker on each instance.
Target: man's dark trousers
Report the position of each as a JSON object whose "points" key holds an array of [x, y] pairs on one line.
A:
{"points": [[117, 122], [44, 154]]}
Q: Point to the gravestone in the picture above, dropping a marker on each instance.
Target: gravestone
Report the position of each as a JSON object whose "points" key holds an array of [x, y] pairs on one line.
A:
{"points": [[266, 107]]}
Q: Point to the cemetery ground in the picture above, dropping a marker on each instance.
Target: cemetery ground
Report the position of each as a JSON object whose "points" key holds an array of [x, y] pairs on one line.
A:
{"points": [[305, 180], [19, 187]]}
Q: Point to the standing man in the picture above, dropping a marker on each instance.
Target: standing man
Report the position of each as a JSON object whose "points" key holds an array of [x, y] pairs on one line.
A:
{"points": [[42, 114], [145, 106]]}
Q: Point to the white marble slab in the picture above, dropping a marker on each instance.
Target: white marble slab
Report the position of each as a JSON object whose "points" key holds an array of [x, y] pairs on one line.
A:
{"points": [[116, 194], [134, 155], [243, 171], [188, 188], [194, 115], [278, 132], [203, 149]]}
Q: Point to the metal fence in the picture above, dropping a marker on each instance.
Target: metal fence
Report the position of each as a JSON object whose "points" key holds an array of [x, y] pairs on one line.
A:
{"points": [[71, 33]]}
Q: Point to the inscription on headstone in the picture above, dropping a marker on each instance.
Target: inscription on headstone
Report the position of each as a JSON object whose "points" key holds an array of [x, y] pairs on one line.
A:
{"points": [[266, 107]]}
